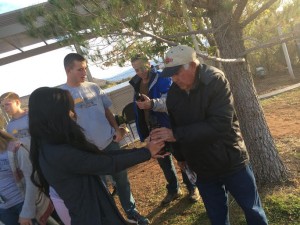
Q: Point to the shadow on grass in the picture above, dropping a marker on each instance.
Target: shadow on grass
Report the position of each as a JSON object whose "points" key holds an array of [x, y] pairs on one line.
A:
{"points": [[179, 212], [281, 204]]}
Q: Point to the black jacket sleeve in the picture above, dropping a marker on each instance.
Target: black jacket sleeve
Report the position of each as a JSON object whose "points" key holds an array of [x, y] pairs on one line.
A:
{"points": [[76, 161]]}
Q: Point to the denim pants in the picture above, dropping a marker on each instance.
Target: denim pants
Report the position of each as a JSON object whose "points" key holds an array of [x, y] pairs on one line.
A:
{"points": [[168, 168], [10, 216], [122, 184], [242, 187]]}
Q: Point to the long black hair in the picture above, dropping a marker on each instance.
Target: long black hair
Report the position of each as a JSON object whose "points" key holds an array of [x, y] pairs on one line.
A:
{"points": [[51, 121]]}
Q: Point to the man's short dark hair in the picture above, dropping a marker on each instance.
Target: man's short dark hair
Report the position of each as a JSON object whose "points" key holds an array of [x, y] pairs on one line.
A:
{"points": [[139, 57], [70, 58]]}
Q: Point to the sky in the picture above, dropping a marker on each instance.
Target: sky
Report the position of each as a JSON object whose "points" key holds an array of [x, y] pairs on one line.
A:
{"points": [[24, 76]]}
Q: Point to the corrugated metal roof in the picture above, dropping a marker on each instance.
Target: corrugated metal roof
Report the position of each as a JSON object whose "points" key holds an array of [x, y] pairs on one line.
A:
{"points": [[14, 38]]}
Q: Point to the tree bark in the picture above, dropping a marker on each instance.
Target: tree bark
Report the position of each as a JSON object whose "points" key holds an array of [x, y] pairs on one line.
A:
{"points": [[264, 157]]}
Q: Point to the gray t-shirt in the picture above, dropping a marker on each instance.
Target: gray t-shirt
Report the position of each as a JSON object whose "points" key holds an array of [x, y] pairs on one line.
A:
{"points": [[90, 104], [19, 128]]}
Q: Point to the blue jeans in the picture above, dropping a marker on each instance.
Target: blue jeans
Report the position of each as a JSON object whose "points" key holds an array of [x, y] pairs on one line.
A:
{"points": [[168, 168], [242, 187], [10, 216], [122, 184]]}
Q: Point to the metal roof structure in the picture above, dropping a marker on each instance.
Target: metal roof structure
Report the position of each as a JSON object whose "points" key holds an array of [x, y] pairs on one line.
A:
{"points": [[16, 43]]}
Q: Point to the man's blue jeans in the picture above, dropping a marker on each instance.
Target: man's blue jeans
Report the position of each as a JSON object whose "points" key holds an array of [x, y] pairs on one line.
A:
{"points": [[242, 187], [122, 184]]}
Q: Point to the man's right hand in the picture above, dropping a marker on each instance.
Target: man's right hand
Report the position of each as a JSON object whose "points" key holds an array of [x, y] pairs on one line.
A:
{"points": [[162, 133], [145, 104]]}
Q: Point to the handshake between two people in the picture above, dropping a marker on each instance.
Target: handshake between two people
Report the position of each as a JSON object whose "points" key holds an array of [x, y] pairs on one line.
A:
{"points": [[158, 142]]}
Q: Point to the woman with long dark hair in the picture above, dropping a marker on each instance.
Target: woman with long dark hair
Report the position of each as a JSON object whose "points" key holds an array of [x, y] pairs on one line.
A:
{"points": [[64, 159]]}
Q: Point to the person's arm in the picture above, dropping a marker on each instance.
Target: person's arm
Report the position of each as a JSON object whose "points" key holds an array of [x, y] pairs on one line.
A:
{"points": [[157, 104], [29, 208], [108, 114], [105, 163], [112, 121]]}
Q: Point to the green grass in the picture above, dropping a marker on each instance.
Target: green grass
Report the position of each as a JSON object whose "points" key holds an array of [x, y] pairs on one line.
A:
{"points": [[283, 208], [287, 98]]}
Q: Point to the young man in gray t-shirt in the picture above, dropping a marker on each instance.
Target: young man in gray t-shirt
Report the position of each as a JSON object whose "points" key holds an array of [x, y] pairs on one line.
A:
{"points": [[100, 127]]}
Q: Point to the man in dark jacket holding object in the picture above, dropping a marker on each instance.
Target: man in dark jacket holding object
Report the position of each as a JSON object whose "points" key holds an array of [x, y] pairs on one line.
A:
{"points": [[206, 135]]}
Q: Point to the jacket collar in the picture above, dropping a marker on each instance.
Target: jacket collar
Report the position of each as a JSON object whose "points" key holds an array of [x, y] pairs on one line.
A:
{"points": [[136, 80], [204, 75]]}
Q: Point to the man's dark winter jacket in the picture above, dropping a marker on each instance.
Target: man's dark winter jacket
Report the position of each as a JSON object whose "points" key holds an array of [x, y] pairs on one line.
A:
{"points": [[205, 125]]}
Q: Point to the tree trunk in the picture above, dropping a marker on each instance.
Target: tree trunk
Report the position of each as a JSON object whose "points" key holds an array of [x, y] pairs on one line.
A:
{"points": [[264, 157]]}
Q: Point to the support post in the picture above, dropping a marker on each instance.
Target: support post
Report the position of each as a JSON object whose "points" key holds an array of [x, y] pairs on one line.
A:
{"points": [[286, 55]]}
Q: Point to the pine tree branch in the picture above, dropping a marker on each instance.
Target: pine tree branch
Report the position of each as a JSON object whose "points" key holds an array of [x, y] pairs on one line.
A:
{"points": [[171, 43], [205, 56], [216, 59], [201, 31], [278, 40], [257, 13]]}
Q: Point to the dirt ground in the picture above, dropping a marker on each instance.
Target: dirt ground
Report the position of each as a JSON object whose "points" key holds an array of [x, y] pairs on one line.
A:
{"points": [[283, 118], [147, 181]]}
